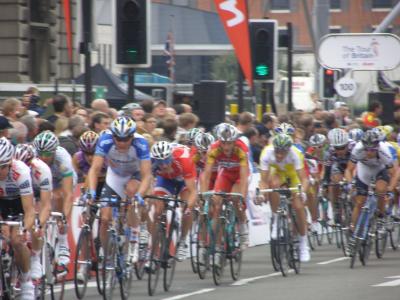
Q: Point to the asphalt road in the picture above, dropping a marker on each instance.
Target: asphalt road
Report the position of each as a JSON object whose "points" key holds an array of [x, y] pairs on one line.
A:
{"points": [[327, 276]]}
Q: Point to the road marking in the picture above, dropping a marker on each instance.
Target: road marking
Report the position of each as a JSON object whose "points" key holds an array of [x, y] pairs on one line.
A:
{"points": [[247, 280], [332, 261], [189, 294], [389, 283]]}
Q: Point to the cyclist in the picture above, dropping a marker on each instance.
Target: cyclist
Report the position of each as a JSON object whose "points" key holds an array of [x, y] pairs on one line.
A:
{"points": [[371, 159], [229, 155], [336, 160], [42, 183], [314, 168], [202, 143], [64, 178], [356, 134], [16, 197], [175, 173], [128, 174], [282, 164]]}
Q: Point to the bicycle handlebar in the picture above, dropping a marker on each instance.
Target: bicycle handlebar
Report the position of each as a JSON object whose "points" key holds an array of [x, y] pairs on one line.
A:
{"points": [[211, 193], [163, 198], [279, 190]]}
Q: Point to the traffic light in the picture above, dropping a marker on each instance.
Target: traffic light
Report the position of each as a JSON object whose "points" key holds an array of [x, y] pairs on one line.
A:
{"points": [[263, 40], [133, 33], [328, 83]]}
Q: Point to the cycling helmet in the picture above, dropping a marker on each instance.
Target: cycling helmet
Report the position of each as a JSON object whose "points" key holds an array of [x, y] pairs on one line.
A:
{"points": [[356, 134], [282, 142], [285, 128], [88, 141], [161, 150], [46, 141], [227, 133], [338, 137], [203, 141], [192, 133], [24, 152], [6, 151], [123, 127], [370, 138], [317, 140], [380, 132]]}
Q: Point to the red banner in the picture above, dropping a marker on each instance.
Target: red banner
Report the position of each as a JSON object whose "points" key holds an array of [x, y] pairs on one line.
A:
{"points": [[68, 27], [233, 14]]}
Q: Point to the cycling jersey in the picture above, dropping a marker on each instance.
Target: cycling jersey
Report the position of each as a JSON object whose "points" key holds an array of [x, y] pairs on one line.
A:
{"points": [[230, 163], [368, 168], [123, 163], [41, 176], [61, 167], [394, 150], [336, 164], [84, 166], [285, 169], [18, 182]]}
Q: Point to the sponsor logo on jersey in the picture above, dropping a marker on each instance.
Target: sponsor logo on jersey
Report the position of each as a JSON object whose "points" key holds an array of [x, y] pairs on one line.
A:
{"points": [[106, 142], [11, 190], [15, 175], [26, 184], [37, 174], [45, 182]]}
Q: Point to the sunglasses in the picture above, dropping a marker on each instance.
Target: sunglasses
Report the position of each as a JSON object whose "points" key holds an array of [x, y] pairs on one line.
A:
{"points": [[340, 147], [122, 139], [281, 151], [45, 153], [159, 162]]}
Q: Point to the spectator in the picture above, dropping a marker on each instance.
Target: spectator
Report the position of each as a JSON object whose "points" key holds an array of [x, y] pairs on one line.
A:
{"points": [[113, 113], [84, 114], [62, 108], [133, 110], [186, 108], [265, 129], [371, 117], [244, 122], [5, 125], [45, 125], [31, 99], [171, 112], [150, 123], [69, 139], [100, 105], [18, 133], [147, 105], [342, 114], [179, 109], [170, 127], [330, 121], [254, 148], [186, 122], [100, 122], [160, 109], [318, 114], [11, 109], [32, 126]]}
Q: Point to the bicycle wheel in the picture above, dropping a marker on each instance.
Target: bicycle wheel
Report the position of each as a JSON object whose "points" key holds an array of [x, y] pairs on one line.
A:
{"points": [[169, 250], [124, 271], [394, 235], [155, 261], [234, 252], [109, 267], [354, 251], [143, 257], [312, 241], [272, 246], [381, 237], [282, 249], [59, 274], [193, 241], [82, 263], [202, 247], [218, 256], [98, 265], [367, 244]]}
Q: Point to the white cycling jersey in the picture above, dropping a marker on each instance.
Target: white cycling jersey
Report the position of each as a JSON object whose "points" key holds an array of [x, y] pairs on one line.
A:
{"points": [[62, 167], [41, 176], [368, 168], [18, 182]]}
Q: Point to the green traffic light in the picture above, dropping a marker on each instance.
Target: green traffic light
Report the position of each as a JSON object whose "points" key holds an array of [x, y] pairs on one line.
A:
{"points": [[132, 55], [262, 70]]}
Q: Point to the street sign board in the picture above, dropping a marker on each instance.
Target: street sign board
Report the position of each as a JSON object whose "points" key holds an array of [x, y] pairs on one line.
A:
{"points": [[359, 51], [346, 87]]}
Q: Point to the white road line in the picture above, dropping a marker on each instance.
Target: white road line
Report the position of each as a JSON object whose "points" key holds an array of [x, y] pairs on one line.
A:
{"points": [[202, 291], [247, 280], [389, 283], [332, 261]]}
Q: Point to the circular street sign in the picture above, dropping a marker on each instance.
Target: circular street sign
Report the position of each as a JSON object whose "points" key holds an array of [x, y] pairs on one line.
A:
{"points": [[346, 87]]}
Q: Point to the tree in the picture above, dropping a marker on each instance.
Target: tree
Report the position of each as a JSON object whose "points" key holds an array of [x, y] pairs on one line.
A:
{"points": [[225, 68]]}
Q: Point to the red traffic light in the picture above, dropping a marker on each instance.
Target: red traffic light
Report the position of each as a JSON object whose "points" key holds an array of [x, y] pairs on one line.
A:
{"points": [[329, 72]]}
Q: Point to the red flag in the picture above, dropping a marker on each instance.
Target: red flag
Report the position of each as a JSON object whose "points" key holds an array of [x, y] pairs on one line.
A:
{"points": [[233, 14], [68, 28]]}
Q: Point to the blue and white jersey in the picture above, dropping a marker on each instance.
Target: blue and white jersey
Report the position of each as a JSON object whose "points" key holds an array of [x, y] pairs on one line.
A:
{"points": [[124, 163]]}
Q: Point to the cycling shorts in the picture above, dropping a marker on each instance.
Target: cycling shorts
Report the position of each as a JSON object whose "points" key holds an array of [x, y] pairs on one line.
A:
{"points": [[166, 186], [108, 193], [11, 207], [225, 180], [287, 178], [362, 188]]}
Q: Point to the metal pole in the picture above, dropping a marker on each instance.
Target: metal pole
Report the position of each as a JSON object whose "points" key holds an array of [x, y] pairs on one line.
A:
{"points": [[388, 19], [240, 89], [309, 25], [264, 96], [87, 39], [271, 97], [290, 66], [131, 85]]}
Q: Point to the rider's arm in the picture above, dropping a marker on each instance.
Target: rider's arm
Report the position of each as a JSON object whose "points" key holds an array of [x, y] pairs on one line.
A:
{"points": [[205, 179], [191, 186], [145, 172], [94, 171], [68, 195], [348, 174], [45, 206], [29, 210], [244, 180], [301, 173], [75, 163], [394, 174]]}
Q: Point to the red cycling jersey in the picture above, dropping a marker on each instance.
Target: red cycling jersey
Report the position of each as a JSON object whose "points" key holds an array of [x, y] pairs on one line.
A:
{"points": [[231, 163], [182, 166]]}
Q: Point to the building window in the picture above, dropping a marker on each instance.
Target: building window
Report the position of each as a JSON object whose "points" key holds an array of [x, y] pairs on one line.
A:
{"points": [[39, 11], [335, 4], [280, 5], [379, 4], [335, 29]]}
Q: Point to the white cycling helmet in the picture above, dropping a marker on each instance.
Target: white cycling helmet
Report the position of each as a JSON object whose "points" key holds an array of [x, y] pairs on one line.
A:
{"points": [[227, 133], [203, 141], [338, 137], [123, 127], [285, 128], [24, 152], [46, 141], [88, 141], [6, 151], [317, 140], [356, 134], [161, 150]]}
